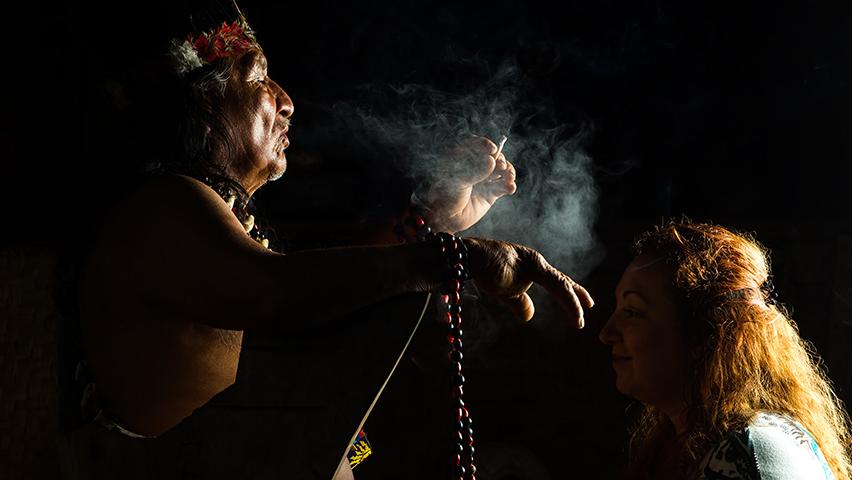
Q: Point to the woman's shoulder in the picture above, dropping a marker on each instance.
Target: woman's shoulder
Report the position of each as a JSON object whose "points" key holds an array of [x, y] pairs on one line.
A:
{"points": [[771, 446], [783, 448]]}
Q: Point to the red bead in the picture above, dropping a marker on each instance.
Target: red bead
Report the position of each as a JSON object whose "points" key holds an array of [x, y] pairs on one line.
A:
{"points": [[445, 299]]}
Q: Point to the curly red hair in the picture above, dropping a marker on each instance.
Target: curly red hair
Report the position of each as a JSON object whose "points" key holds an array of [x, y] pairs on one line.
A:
{"points": [[748, 355]]}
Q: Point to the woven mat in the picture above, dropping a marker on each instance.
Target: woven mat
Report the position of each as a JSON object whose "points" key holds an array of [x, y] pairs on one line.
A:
{"points": [[28, 385]]}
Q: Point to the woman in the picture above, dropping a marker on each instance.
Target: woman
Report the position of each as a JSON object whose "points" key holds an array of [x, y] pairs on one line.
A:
{"points": [[730, 389]]}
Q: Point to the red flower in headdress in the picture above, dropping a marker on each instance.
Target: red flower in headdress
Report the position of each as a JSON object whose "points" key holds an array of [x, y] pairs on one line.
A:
{"points": [[226, 41]]}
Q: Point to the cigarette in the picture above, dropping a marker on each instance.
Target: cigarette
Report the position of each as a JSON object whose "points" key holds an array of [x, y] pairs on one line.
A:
{"points": [[500, 146], [498, 176]]}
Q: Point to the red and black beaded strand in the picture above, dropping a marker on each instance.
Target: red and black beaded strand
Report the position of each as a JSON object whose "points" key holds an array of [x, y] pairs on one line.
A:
{"points": [[454, 252]]}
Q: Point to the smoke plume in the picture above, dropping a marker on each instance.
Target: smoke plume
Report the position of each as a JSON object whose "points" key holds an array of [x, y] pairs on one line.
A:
{"points": [[555, 206]]}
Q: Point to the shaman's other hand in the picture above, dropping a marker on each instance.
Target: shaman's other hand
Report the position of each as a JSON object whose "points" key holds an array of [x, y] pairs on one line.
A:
{"points": [[507, 270], [470, 180]]}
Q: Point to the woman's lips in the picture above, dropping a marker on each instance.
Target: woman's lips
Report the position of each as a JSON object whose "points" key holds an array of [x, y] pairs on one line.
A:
{"points": [[618, 359]]}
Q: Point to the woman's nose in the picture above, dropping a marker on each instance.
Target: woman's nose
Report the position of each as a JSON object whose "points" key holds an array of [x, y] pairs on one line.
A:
{"points": [[608, 334]]}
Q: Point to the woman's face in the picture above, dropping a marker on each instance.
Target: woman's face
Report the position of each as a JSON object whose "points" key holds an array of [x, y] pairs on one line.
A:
{"points": [[649, 352]]}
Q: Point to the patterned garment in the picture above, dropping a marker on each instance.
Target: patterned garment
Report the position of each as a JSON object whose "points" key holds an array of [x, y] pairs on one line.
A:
{"points": [[771, 447], [359, 450]]}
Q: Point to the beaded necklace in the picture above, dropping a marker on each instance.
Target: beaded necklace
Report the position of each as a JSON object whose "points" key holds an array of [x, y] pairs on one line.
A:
{"points": [[242, 210], [455, 255]]}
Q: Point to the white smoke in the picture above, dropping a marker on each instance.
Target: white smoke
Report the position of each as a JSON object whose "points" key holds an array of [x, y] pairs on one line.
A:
{"points": [[555, 207]]}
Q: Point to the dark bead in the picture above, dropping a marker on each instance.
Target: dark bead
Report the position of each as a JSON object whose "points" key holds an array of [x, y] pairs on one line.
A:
{"points": [[458, 380], [459, 471], [457, 366], [458, 392], [456, 356], [459, 437], [455, 331], [470, 451], [468, 422], [457, 343], [459, 448]]}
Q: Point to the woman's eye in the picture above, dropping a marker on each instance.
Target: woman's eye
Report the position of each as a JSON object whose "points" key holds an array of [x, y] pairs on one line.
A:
{"points": [[629, 312]]}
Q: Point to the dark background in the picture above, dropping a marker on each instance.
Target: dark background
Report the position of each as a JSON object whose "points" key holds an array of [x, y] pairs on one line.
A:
{"points": [[736, 114]]}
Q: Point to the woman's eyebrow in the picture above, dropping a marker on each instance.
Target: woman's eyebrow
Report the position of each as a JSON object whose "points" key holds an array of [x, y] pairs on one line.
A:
{"points": [[625, 293]]}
